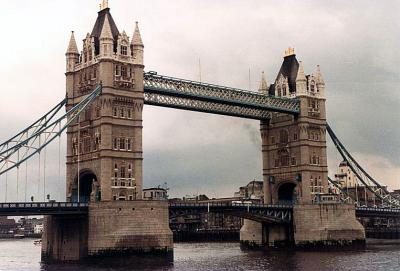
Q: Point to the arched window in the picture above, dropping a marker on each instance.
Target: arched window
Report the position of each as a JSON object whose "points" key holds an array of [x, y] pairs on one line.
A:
{"points": [[283, 136], [284, 90]]}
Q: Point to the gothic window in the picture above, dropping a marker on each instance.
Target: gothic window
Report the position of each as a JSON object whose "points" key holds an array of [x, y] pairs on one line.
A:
{"points": [[284, 160], [279, 91], [312, 86], [295, 137], [87, 144], [115, 112], [88, 113], [115, 145], [122, 143], [98, 111], [283, 136], [90, 53], [129, 167], [115, 174], [124, 50], [128, 144], [122, 112], [95, 73], [293, 161], [123, 71], [129, 111], [115, 197], [130, 197], [284, 90], [117, 70], [122, 172], [314, 159]]}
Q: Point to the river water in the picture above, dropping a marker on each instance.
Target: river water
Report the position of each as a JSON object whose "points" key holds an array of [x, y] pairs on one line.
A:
{"points": [[22, 255]]}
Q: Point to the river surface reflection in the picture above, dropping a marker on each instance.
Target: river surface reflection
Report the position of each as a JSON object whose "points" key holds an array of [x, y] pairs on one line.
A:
{"points": [[22, 255]]}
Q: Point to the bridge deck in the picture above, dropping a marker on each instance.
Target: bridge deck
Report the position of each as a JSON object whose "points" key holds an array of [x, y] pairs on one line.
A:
{"points": [[43, 208], [276, 211]]}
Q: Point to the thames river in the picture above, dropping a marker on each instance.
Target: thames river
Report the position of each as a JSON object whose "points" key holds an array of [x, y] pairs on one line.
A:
{"points": [[23, 255]]}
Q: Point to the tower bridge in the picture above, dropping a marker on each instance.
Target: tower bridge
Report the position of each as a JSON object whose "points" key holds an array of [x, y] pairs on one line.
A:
{"points": [[106, 89]]}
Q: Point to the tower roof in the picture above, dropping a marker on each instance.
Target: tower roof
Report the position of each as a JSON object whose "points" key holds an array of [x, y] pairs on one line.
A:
{"points": [[289, 69], [137, 39], [106, 31], [98, 26], [318, 76], [72, 48], [263, 84], [300, 73]]}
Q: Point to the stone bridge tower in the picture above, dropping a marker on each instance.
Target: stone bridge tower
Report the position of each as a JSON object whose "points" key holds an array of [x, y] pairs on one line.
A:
{"points": [[294, 147], [104, 148]]}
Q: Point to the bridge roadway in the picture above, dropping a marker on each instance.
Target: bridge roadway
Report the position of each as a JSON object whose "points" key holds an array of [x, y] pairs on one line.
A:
{"points": [[263, 213]]}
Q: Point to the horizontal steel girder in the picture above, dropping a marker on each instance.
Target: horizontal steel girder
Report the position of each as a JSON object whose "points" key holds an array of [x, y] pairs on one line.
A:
{"points": [[195, 96]]}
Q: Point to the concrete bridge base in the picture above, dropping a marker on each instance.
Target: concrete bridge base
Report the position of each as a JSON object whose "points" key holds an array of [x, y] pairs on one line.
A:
{"points": [[326, 225], [256, 235], [111, 229], [314, 225]]}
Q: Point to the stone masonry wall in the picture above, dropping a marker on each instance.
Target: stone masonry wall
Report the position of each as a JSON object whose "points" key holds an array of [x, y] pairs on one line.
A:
{"points": [[326, 224], [129, 227]]}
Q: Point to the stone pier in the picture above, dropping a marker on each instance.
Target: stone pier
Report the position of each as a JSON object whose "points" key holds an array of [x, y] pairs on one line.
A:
{"points": [[326, 225], [314, 226], [257, 235], [115, 228]]}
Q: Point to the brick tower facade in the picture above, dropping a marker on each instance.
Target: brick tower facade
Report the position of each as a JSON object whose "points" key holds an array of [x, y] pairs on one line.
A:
{"points": [[104, 148], [294, 147]]}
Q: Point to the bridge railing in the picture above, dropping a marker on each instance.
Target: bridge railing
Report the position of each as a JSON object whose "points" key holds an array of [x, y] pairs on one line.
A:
{"points": [[226, 204], [42, 204]]}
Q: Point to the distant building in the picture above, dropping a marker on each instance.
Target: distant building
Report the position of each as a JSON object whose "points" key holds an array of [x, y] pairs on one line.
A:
{"points": [[345, 176], [38, 229], [7, 225], [253, 190], [155, 193]]}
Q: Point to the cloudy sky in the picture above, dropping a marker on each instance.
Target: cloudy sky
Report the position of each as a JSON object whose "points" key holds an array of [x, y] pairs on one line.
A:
{"points": [[355, 43]]}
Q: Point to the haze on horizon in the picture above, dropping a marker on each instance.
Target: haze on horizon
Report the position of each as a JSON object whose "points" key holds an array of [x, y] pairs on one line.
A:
{"points": [[355, 43]]}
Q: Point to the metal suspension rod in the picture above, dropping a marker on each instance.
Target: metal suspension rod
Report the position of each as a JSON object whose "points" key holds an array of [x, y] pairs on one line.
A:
{"points": [[79, 144], [26, 179], [382, 193], [73, 111], [334, 137], [44, 174], [35, 125], [70, 117]]}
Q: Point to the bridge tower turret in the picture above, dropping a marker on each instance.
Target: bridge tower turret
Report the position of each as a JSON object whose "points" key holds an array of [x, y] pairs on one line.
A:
{"points": [[294, 147], [104, 148]]}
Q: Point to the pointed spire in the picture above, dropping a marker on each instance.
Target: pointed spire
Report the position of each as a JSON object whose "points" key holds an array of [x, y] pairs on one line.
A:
{"points": [[72, 48], [301, 76], [263, 84], [106, 30], [137, 39], [318, 76]]}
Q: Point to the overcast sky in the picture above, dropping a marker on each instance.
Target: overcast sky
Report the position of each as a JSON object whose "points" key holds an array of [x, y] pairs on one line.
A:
{"points": [[355, 43]]}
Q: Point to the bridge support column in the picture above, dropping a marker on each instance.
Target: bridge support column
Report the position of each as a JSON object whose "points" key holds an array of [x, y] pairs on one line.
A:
{"points": [[327, 225], [255, 234], [129, 227], [64, 238]]}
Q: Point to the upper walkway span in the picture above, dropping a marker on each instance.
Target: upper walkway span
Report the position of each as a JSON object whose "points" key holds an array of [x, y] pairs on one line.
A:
{"points": [[165, 91]]}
